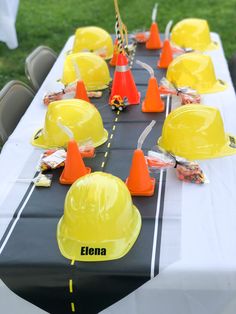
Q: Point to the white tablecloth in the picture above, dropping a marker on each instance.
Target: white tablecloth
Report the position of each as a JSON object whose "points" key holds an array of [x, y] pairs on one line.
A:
{"points": [[8, 13], [202, 278]]}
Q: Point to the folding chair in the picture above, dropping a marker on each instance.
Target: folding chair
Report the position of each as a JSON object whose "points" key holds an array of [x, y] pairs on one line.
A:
{"points": [[15, 98], [38, 63], [232, 69]]}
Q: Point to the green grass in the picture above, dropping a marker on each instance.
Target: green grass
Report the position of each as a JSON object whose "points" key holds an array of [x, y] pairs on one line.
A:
{"points": [[51, 22]]}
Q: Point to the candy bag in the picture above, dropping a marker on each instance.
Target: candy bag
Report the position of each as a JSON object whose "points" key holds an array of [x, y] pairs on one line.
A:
{"points": [[187, 171], [187, 95]]}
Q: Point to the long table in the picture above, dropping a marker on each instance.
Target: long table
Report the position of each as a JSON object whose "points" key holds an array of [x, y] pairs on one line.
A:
{"points": [[187, 241]]}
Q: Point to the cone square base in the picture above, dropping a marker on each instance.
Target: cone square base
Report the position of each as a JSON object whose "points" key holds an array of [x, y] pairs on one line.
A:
{"points": [[149, 192], [65, 181], [153, 110]]}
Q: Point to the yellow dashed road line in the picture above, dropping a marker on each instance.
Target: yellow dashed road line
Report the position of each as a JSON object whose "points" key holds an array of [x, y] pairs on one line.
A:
{"points": [[72, 307], [111, 137], [102, 166], [71, 286], [72, 304]]}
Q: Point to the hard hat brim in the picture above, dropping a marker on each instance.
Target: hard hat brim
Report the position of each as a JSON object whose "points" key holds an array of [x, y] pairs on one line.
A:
{"points": [[39, 141], [230, 146], [226, 150], [219, 86], [89, 87], [116, 248], [212, 46]]}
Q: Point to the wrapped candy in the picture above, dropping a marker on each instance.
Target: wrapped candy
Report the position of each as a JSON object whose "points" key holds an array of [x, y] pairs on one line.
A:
{"points": [[140, 36], [159, 160], [186, 94], [52, 159], [187, 171], [67, 92], [42, 180], [190, 172]]}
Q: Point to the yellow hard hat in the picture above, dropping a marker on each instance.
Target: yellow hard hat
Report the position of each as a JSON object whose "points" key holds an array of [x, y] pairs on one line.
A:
{"points": [[93, 70], [100, 222], [81, 117], [93, 39], [194, 70], [193, 33], [196, 132]]}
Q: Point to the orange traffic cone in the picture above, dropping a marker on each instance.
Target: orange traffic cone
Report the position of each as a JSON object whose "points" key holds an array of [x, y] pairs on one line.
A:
{"points": [[123, 82], [154, 41], [74, 165], [113, 61], [166, 55], [139, 181], [80, 92], [152, 101]]}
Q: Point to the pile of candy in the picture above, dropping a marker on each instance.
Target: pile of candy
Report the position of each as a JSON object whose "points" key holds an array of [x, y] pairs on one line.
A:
{"points": [[52, 159], [190, 172]]}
